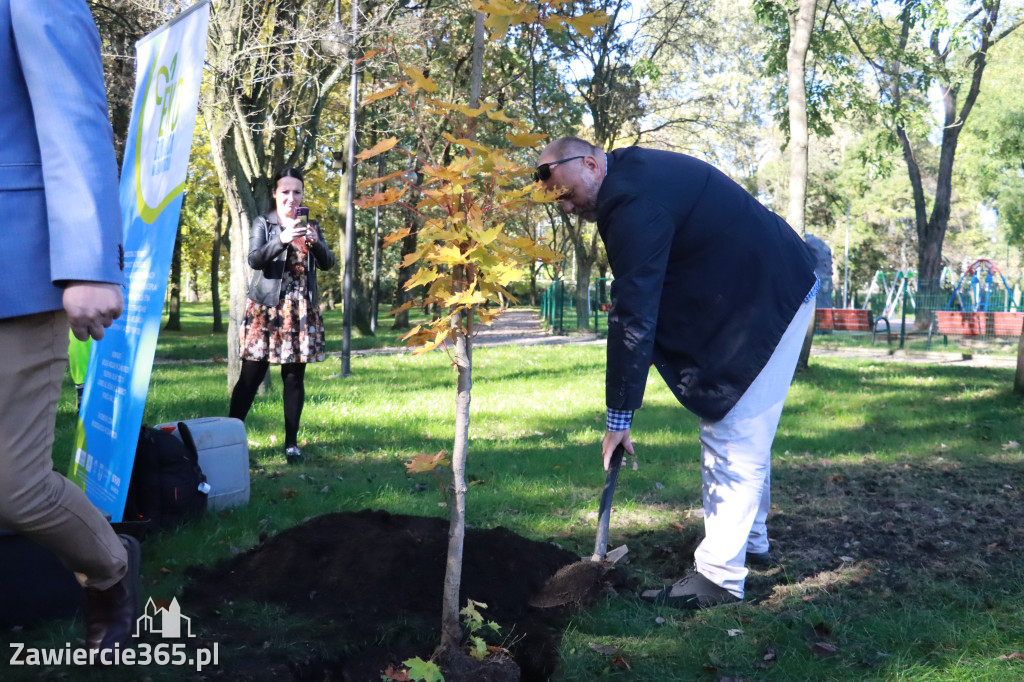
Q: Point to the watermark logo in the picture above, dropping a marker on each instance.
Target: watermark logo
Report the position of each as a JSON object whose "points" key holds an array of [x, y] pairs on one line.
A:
{"points": [[166, 621]]}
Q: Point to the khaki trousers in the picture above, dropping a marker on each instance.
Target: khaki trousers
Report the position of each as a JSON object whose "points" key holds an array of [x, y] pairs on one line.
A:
{"points": [[35, 500]]}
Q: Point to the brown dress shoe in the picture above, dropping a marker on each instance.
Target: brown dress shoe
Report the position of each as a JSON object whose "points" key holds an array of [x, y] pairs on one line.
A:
{"points": [[110, 614]]}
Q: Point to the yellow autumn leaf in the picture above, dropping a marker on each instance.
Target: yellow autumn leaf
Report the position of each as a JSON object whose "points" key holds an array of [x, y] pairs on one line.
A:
{"points": [[466, 299], [412, 332], [485, 236], [383, 178], [500, 116], [466, 142], [402, 308], [369, 55], [447, 255], [411, 258], [504, 274], [382, 94], [525, 139], [461, 108], [422, 463], [498, 25], [388, 196], [544, 196], [440, 289], [501, 7], [427, 344], [422, 81], [585, 23], [395, 236], [378, 148], [422, 276]]}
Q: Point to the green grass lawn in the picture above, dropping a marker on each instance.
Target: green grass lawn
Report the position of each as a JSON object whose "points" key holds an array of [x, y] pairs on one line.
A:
{"points": [[897, 495]]}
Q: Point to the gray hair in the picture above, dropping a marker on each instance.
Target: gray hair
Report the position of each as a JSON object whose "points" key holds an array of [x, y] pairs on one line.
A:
{"points": [[571, 146]]}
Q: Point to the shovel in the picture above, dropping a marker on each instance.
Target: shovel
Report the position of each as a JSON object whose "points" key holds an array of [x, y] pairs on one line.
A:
{"points": [[575, 582], [604, 512]]}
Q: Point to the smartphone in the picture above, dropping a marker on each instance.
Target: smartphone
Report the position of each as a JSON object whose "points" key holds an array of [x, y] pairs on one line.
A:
{"points": [[302, 213]]}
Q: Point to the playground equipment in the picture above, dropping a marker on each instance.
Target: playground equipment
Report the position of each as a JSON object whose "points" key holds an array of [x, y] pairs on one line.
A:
{"points": [[978, 307], [894, 290], [982, 293]]}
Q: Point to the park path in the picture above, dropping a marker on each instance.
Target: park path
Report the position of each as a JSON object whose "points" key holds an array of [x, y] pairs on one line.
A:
{"points": [[517, 326]]}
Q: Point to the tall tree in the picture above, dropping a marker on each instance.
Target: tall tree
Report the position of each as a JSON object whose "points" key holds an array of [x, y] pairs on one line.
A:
{"points": [[801, 23], [269, 80], [928, 45]]}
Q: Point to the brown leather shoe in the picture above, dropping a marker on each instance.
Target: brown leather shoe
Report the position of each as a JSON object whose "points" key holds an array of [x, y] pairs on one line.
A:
{"points": [[110, 614]]}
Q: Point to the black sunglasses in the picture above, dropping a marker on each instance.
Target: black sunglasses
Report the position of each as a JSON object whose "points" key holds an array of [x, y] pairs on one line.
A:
{"points": [[543, 171]]}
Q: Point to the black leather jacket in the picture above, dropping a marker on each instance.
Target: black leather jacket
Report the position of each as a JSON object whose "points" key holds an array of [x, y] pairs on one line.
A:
{"points": [[267, 256]]}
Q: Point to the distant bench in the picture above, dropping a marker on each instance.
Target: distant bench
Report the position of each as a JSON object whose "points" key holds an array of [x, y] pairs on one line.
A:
{"points": [[848, 320], [956, 323]]}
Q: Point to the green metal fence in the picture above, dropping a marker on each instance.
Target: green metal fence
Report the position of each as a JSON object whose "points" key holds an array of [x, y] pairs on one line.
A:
{"points": [[559, 309]]}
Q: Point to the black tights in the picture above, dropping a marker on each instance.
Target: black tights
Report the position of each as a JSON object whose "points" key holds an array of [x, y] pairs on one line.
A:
{"points": [[294, 392]]}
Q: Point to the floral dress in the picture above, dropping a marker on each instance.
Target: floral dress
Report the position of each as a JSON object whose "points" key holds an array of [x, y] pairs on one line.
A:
{"points": [[291, 332]]}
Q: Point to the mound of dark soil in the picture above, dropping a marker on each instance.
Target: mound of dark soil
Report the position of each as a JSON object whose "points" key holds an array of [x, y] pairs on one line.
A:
{"points": [[372, 583]]}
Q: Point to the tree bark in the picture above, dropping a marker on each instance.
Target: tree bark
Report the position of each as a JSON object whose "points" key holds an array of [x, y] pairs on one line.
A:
{"points": [[218, 228], [801, 22], [451, 630], [1018, 378], [174, 300]]}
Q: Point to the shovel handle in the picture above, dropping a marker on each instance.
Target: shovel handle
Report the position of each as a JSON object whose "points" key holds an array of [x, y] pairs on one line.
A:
{"points": [[604, 510]]}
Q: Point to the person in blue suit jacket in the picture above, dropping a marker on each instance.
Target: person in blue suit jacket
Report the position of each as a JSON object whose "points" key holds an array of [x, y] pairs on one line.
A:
{"points": [[63, 268], [716, 292]]}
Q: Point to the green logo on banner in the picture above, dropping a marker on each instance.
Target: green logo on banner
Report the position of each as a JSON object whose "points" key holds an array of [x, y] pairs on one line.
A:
{"points": [[164, 87]]}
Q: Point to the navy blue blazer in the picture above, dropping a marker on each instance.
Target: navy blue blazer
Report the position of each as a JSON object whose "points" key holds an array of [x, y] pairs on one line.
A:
{"points": [[58, 175], [706, 280]]}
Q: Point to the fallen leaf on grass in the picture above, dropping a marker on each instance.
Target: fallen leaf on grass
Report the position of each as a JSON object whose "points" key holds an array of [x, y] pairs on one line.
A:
{"points": [[423, 462], [396, 675], [603, 649], [1016, 655], [1012, 445], [735, 632], [288, 493], [620, 662]]}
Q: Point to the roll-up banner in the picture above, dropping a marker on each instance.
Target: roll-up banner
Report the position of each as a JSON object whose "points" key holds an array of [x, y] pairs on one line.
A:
{"points": [[153, 174]]}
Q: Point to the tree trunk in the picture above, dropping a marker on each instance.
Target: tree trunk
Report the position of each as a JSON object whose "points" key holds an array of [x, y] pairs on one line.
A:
{"points": [[244, 201], [174, 302], [1018, 378], [584, 264], [801, 22], [193, 286], [451, 630], [218, 323]]}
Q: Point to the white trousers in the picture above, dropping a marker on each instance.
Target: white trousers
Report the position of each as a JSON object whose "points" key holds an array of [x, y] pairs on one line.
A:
{"points": [[736, 465]]}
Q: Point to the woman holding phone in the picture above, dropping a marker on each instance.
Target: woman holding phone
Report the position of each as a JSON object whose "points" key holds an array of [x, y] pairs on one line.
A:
{"points": [[282, 323]]}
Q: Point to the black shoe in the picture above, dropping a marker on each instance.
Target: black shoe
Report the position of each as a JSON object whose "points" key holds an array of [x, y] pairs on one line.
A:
{"points": [[759, 559], [110, 614], [293, 454], [692, 592]]}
